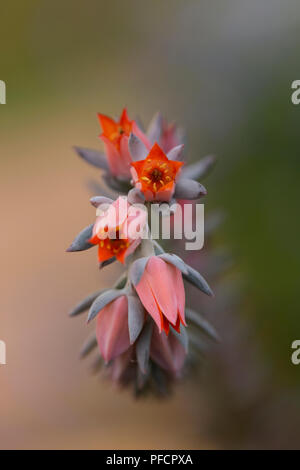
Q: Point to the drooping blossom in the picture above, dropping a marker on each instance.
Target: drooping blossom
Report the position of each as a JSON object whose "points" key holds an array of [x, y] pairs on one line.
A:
{"points": [[168, 352], [156, 175], [161, 291], [115, 135], [122, 368], [112, 329], [118, 229]]}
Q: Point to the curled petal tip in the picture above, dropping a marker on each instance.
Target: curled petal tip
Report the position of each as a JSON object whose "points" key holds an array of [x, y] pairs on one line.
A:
{"points": [[203, 190], [107, 262], [81, 242], [70, 248], [210, 292], [73, 313], [189, 189], [93, 157]]}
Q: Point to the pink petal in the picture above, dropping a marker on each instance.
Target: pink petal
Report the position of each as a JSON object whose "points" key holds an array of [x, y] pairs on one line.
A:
{"points": [[167, 352], [149, 196], [162, 279], [179, 354], [113, 217], [118, 162], [135, 177], [136, 221], [112, 329], [113, 157], [132, 247], [125, 156], [120, 364], [119, 211], [180, 292], [147, 298], [140, 134], [170, 137]]}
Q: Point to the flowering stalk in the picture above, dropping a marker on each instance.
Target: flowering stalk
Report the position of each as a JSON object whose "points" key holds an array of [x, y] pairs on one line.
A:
{"points": [[141, 322]]}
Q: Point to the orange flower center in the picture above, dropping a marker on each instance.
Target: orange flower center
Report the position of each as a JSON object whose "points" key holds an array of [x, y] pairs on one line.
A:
{"points": [[114, 245], [114, 130], [115, 137], [156, 174]]}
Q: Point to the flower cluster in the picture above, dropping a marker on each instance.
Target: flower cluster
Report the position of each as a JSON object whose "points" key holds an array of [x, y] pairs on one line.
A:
{"points": [[141, 323]]}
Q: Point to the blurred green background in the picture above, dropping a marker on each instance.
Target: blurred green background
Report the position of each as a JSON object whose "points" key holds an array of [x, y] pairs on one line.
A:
{"points": [[223, 70]]}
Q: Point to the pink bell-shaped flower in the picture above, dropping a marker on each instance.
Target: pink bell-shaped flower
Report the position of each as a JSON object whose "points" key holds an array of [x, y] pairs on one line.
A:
{"points": [[167, 352], [112, 329], [161, 291]]}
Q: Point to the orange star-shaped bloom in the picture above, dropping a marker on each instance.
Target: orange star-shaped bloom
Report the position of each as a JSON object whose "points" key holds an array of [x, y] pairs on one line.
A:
{"points": [[116, 230], [110, 247], [113, 130], [156, 175]]}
